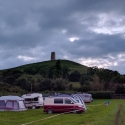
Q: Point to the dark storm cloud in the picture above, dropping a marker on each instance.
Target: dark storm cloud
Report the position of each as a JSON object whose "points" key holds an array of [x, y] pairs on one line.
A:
{"points": [[86, 31], [100, 45]]}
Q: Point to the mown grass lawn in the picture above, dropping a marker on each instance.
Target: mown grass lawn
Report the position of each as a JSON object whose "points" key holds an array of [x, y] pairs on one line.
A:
{"points": [[96, 114]]}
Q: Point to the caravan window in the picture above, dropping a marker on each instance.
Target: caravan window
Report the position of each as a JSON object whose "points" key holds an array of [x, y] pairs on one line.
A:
{"points": [[28, 99], [36, 99], [32, 99], [58, 101]]}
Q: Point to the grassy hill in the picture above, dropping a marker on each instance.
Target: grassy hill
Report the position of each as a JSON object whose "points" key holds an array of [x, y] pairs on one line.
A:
{"points": [[19, 76], [73, 66]]}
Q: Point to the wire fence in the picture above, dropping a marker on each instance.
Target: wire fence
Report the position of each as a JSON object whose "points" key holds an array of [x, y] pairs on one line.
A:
{"points": [[117, 96]]}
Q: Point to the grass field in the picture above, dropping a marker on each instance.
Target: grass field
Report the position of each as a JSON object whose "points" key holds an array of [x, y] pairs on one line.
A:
{"points": [[96, 114], [75, 84]]}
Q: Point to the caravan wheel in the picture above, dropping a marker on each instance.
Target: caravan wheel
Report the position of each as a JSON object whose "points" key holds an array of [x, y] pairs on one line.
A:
{"points": [[33, 107], [50, 111]]}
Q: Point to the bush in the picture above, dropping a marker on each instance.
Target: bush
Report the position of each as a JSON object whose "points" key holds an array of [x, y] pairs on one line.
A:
{"points": [[101, 94]]}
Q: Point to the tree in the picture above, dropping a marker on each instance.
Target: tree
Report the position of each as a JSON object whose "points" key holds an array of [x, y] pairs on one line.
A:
{"points": [[120, 89], [59, 84], [58, 65], [92, 70], [119, 79], [58, 69], [27, 82], [44, 71], [106, 76], [84, 79], [75, 76], [9, 80], [84, 88], [65, 72], [45, 85], [96, 85]]}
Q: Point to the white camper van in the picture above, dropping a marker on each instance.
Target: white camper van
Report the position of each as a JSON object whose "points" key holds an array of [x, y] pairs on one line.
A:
{"points": [[33, 100]]}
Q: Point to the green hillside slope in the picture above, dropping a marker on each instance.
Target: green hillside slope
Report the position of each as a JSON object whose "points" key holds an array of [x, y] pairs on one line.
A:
{"points": [[73, 66]]}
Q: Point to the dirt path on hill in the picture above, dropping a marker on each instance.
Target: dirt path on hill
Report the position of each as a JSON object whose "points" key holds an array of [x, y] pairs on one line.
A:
{"points": [[118, 119]]}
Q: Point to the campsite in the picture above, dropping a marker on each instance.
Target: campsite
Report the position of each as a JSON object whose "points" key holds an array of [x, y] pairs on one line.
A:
{"points": [[97, 114]]}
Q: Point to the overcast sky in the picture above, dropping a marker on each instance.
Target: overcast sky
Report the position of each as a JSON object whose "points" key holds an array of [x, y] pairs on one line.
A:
{"points": [[90, 32]]}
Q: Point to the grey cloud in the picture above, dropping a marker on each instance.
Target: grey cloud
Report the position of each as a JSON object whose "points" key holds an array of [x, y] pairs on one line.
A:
{"points": [[34, 29], [101, 45]]}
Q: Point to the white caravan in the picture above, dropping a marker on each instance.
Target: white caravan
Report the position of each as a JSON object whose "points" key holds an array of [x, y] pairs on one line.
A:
{"points": [[33, 100], [87, 97]]}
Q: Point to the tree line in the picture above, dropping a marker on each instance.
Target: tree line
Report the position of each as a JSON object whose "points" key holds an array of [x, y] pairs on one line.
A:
{"points": [[58, 77]]}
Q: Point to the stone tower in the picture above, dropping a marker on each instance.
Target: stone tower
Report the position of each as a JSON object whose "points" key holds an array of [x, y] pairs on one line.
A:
{"points": [[53, 56]]}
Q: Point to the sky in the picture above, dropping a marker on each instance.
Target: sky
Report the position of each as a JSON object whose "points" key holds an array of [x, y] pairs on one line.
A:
{"points": [[89, 32]]}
